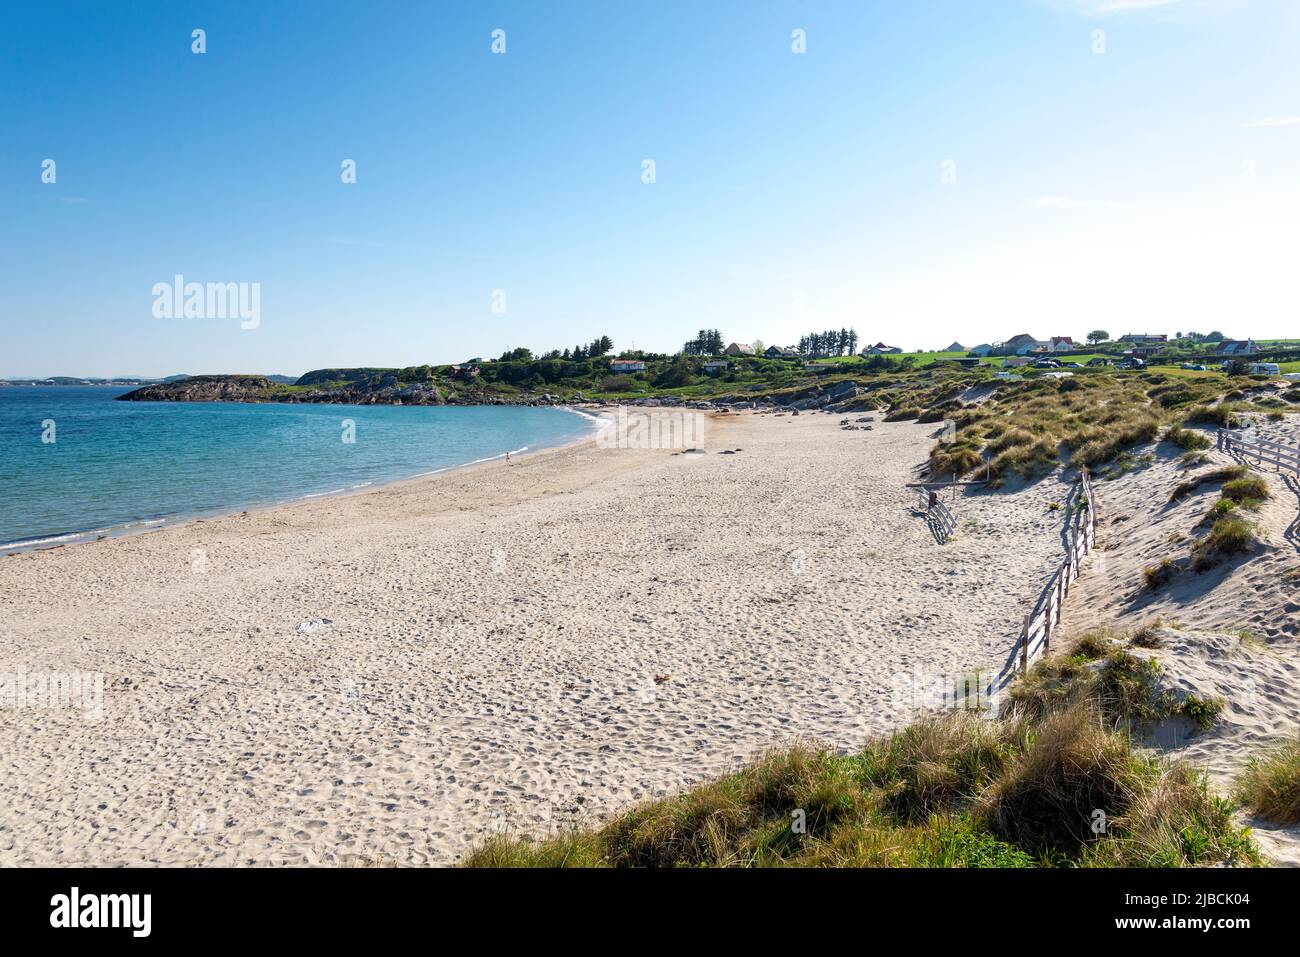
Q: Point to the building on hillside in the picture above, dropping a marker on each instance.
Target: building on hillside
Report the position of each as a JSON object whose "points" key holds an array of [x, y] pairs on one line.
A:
{"points": [[1060, 344], [1144, 352], [955, 347], [738, 349], [1237, 347], [464, 371], [1144, 339], [880, 349], [627, 365], [1020, 345], [782, 352], [981, 350], [716, 366]]}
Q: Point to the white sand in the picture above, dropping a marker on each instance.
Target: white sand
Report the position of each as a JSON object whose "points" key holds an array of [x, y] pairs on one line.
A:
{"points": [[497, 635]]}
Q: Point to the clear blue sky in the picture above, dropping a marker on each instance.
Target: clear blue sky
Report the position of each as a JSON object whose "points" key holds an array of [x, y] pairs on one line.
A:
{"points": [[1152, 187]]}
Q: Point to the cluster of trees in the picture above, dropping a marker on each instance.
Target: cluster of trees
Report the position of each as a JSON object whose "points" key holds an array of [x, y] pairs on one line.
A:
{"points": [[707, 342], [676, 373], [598, 347], [536, 373], [819, 345]]}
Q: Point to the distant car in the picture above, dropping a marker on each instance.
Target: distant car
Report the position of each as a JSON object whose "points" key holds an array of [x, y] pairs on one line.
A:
{"points": [[1074, 365], [1047, 364], [1132, 362], [1098, 361]]}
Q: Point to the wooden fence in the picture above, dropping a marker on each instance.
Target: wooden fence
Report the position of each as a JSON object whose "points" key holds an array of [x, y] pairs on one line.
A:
{"points": [[941, 520], [1045, 617], [1249, 444]]}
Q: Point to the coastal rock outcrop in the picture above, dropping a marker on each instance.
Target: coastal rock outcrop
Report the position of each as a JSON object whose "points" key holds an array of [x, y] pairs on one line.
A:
{"points": [[206, 388]]}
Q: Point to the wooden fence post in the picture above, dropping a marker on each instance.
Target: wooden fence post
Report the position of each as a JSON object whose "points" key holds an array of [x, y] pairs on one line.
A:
{"points": [[1024, 648]]}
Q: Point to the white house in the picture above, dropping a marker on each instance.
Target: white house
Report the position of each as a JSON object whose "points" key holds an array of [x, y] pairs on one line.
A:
{"points": [[1060, 344], [983, 349], [627, 365], [714, 366]]}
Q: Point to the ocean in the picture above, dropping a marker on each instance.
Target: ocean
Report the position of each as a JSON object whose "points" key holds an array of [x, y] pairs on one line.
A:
{"points": [[75, 464]]}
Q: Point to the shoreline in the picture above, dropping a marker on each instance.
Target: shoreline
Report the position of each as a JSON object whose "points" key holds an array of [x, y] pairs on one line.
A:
{"points": [[144, 526]]}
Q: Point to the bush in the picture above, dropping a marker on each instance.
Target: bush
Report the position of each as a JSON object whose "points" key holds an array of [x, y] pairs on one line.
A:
{"points": [[617, 383]]}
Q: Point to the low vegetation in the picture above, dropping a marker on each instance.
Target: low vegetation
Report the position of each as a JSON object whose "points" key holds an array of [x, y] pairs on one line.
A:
{"points": [[1054, 781], [1223, 416], [1094, 419], [1270, 785], [1228, 537], [1103, 673], [1188, 440], [1247, 492], [1157, 576], [1215, 477]]}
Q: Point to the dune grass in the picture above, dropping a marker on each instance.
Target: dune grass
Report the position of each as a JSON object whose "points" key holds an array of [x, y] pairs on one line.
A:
{"points": [[1029, 427], [1102, 673], [1247, 492], [1051, 783], [1228, 537], [1215, 477], [1270, 785], [1188, 440]]}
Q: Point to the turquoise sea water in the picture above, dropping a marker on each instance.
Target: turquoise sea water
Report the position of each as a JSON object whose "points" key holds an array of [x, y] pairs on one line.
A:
{"points": [[116, 466]]}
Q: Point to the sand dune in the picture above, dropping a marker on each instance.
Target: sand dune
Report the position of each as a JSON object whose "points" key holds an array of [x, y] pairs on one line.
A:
{"points": [[1230, 632], [508, 646]]}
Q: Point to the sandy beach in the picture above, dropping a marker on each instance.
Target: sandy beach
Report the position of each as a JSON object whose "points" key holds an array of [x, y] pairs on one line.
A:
{"points": [[510, 646]]}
